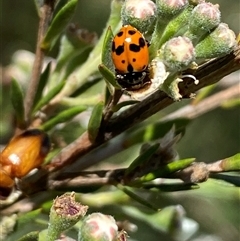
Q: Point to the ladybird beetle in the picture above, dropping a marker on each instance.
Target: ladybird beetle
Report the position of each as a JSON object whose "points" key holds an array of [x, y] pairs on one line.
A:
{"points": [[22, 154], [130, 57]]}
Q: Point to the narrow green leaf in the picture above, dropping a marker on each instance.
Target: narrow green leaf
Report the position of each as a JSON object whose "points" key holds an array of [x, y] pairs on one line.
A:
{"points": [[106, 54], [59, 23], [76, 60], [233, 179], [43, 235], [42, 83], [28, 217], [123, 104], [107, 95], [63, 116], [203, 93], [168, 169], [155, 131], [179, 23], [171, 187], [84, 87], [26, 224], [17, 101], [60, 4], [32, 236], [46, 99], [95, 121], [73, 44], [108, 76], [231, 163], [232, 103], [137, 198], [141, 159]]}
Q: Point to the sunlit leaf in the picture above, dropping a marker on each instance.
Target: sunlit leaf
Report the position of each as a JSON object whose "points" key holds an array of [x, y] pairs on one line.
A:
{"points": [[231, 163], [109, 77], [63, 116], [106, 53], [167, 169], [59, 23], [32, 236], [51, 93], [130, 192], [141, 159], [17, 101], [42, 83], [95, 121]]}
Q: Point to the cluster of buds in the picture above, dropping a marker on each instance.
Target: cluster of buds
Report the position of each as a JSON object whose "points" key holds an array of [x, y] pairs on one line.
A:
{"points": [[66, 212], [185, 34]]}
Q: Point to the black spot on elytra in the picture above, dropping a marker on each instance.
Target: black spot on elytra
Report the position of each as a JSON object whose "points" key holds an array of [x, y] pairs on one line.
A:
{"points": [[134, 48], [113, 46], [130, 68], [123, 61], [120, 34], [134, 60], [142, 42], [119, 50], [131, 32]]}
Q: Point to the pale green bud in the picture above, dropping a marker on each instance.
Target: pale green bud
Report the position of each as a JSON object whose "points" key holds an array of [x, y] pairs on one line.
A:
{"points": [[139, 13], [98, 227], [178, 53], [219, 43]]}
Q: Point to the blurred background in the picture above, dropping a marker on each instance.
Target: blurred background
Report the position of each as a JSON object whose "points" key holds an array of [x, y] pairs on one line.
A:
{"points": [[212, 136], [19, 24]]}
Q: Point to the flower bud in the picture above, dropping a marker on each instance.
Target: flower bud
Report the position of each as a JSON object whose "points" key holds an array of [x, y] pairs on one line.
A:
{"points": [[139, 13], [98, 227], [167, 9], [65, 212], [220, 42], [178, 53], [205, 17]]}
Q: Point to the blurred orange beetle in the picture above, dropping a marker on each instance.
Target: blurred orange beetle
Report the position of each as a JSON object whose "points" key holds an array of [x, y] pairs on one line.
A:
{"points": [[22, 154]]}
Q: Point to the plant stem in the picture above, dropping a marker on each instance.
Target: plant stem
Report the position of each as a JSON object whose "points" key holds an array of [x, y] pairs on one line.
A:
{"points": [[45, 16], [210, 73]]}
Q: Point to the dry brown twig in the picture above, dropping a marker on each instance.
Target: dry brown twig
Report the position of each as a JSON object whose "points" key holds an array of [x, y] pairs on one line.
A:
{"points": [[208, 74], [45, 17]]}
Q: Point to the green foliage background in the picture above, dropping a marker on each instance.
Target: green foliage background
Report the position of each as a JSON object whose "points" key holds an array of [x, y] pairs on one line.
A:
{"points": [[212, 136]]}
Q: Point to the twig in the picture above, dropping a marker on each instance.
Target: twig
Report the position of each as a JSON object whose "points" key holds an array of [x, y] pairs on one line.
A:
{"points": [[113, 101], [189, 111], [81, 145], [45, 16], [208, 74], [210, 103], [195, 173]]}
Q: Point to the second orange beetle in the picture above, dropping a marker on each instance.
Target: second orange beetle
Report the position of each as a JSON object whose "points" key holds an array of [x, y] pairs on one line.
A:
{"points": [[23, 153]]}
